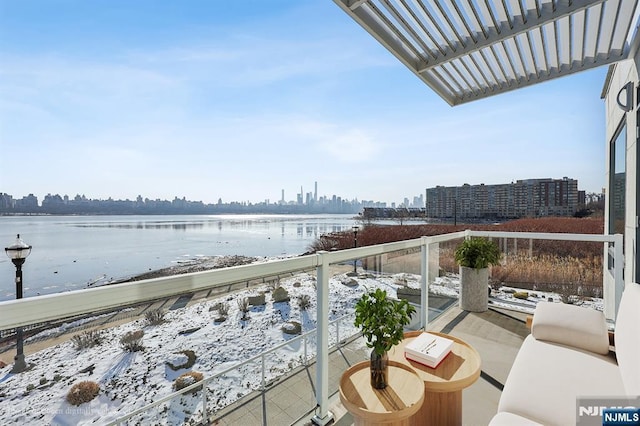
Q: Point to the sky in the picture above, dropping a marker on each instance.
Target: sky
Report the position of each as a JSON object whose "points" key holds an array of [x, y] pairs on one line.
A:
{"points": [[238, 101]]}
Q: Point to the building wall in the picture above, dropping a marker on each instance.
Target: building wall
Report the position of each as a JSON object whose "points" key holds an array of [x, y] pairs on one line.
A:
{"points": [[524, 198], [623, 72]]}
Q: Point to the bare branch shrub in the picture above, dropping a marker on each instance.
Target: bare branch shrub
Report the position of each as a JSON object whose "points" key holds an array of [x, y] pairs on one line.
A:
{"points": [[132, 341], [274, 285], [304, 301], [222, 308], [187, 379], [82, 392], [243, 306], [87, 339], [155, 317]]}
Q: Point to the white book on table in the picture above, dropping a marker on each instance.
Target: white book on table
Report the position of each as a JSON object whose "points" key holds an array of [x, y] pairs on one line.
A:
{"points": [[428, 349]]}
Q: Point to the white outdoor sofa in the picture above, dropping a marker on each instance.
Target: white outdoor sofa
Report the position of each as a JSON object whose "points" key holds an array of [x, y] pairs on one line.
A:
{"points": [[567, 356]]}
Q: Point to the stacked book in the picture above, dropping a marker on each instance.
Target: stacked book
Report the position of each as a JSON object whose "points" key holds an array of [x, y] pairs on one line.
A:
{"points": [[428, 349]]}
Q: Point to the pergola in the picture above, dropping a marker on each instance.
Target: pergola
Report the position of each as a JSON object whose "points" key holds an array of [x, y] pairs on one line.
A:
{"points": [[471, 49]]}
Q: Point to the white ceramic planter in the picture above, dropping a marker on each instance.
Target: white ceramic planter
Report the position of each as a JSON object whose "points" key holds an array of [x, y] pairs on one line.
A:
{"points": [[473, 289]]}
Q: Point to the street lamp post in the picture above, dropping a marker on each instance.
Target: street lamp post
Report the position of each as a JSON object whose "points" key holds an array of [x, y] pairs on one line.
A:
{"points": [[355, 245], [18, 252]]}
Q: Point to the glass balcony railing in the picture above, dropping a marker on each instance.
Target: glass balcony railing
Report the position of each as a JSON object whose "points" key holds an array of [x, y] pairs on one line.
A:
{"points": [[249, 327]]}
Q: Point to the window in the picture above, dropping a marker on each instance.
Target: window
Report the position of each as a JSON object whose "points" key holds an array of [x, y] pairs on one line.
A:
{"points": [[617, 180]]}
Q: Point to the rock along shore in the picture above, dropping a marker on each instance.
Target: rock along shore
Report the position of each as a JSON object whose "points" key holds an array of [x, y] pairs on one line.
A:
{"points": [[199, 264]]}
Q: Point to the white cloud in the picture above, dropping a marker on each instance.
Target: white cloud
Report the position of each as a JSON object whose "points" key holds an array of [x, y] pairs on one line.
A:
{"points": [[350, 146]]}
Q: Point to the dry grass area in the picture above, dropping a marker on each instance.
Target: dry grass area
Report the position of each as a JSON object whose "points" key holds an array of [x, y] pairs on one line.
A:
{"points": [[560, 266]]}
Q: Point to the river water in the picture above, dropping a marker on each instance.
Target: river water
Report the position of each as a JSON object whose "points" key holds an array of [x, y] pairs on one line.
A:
{"points": [[69, 252]]}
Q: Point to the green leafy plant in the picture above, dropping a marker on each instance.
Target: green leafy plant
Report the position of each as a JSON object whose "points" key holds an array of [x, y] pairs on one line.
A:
{"points": [[382, 320], [477, 253]]}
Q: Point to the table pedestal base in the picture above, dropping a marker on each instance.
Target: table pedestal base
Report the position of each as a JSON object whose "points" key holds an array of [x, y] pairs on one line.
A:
{"points": [[363, 422], [439, 409]]}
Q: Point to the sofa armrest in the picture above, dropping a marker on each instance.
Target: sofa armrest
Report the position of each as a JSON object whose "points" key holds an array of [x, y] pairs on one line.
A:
{"points": [[570, 325]]}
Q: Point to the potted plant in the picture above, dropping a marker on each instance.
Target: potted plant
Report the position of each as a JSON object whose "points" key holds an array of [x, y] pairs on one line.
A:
{"points": [[382, 321], [475, 255]]}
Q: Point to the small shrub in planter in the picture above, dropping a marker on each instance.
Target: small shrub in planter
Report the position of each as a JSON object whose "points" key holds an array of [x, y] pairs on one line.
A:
{"points": [[187, 379], [477, 253], [82, 392], [132, 341], [155, 317], [382, 323], [87, 339]]}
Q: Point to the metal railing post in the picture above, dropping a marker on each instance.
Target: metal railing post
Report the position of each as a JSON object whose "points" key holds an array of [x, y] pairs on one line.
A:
{"points": [[205, 416], [306, 357], [424, 283], [618, 268], [262, 377], [323, 416]]}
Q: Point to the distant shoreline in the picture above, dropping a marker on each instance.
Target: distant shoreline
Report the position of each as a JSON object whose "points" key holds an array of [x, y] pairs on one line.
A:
{"points": [[200, 264]]}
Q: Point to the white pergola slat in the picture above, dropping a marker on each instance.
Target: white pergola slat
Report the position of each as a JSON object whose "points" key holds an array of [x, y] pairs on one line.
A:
{"points": [[470, 49]]}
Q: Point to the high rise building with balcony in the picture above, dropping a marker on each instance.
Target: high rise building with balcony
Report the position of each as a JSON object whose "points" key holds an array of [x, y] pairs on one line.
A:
{"points": [[524, 198]]}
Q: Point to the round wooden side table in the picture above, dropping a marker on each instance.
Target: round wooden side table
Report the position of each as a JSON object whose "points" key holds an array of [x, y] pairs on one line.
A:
{"points": [[443, 385], [393, 405]]}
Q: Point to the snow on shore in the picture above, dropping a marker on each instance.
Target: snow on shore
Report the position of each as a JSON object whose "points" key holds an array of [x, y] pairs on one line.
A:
{"points": [[130, 380]]}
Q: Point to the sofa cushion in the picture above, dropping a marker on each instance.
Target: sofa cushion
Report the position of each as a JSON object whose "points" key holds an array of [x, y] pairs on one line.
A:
{"points": [[627, 338], [546, 378], [510, 419], [582, 328]]}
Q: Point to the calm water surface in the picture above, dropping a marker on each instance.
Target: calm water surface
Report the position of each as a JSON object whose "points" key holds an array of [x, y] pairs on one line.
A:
{"points": [[69, 252]]}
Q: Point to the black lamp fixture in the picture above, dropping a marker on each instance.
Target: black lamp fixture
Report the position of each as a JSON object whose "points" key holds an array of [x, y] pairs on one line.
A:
{"points": [[355, 244], [18, 252]]}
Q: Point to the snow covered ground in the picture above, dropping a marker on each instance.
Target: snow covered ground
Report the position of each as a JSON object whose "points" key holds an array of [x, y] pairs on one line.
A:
{"points": [[130, 380]]}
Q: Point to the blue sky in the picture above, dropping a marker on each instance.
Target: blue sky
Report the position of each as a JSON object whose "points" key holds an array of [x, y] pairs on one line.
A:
{"points": [[239, 100]]}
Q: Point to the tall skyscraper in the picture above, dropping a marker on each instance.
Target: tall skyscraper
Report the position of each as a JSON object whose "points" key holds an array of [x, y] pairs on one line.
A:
{"points": [[315, 192]]}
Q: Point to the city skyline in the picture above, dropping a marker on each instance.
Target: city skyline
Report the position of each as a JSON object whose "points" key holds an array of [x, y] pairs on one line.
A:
{"points": [[207, 101], [301, 198]]}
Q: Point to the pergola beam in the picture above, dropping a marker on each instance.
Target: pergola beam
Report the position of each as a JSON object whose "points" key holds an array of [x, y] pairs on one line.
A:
{"points": [[505, 32], [471, 49], [589, 63]]}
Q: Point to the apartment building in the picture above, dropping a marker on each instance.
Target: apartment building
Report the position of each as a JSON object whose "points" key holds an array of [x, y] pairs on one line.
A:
{"points": [[524, 198]]}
